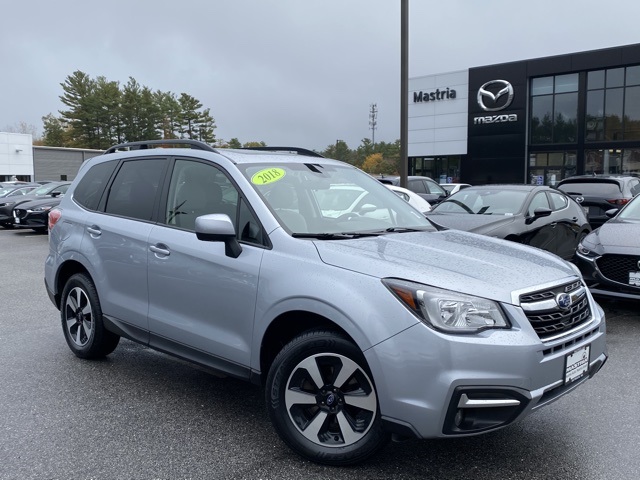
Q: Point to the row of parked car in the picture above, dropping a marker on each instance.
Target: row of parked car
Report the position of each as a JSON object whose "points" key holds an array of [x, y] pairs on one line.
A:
{"points": [[566, 220], [591, 220], [27, 205]]}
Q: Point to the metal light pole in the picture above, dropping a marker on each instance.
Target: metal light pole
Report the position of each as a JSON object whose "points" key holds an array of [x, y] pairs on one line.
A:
{"points": [[404, 91]]}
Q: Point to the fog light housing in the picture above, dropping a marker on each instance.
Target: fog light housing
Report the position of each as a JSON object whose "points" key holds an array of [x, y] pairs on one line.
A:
{"points": [[479, 409]]}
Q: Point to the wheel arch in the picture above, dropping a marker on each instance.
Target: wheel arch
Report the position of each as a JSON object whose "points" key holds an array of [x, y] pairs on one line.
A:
{"points": [[287, 326], [66, 271]]}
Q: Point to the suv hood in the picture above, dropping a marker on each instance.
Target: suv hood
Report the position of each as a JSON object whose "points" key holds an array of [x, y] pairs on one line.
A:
{"points": [[618, 233], [453, 260]]}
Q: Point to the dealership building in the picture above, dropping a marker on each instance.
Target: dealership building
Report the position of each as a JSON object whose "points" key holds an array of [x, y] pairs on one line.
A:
{"points": [[531, 121]]}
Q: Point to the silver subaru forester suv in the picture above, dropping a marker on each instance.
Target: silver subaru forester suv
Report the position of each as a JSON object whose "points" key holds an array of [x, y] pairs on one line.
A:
{"points": [[309, 277]]}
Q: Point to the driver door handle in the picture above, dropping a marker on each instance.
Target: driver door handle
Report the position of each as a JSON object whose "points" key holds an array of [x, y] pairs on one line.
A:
{"points": [[160, 249]]}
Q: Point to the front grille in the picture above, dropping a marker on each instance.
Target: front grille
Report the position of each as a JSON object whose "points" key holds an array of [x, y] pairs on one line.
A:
{"points": [[617, 267], [547, 318]]}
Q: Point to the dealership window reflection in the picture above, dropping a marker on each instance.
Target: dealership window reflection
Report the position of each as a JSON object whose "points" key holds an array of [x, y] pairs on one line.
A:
{"points": [[554, 109], [613, 105], [548, 168]]}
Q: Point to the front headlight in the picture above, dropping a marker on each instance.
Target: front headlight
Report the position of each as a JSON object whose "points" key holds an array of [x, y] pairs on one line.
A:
{"points": [[589, 247], [42, 208], [446, 310]]}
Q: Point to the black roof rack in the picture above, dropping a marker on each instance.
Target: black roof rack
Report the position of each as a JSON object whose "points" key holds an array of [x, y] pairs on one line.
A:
{"points": [[147, 144], [298, 150]]}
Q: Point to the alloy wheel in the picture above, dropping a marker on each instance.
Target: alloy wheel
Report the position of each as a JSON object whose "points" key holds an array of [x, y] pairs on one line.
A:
{"points": [[331, 400], [78, 316]]}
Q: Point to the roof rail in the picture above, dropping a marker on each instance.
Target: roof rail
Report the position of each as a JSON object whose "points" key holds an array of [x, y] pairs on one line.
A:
{"points": [[147, 144], [298, 150]]}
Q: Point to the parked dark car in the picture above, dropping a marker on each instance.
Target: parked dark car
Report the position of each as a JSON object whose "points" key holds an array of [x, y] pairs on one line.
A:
{"points": [[609, 257], [599, 193], [35, 213], [7, 205], [426, 187], [533, 215]]}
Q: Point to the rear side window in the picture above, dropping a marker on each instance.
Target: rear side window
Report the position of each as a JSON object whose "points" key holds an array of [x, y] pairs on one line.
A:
{"points": [[417, 186], [90, 188], [558, 201], [539, 201], [435, 188], [133, 191]]}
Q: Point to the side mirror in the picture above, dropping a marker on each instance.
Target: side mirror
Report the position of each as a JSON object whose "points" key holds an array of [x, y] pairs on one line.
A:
{"points": [[218, 227], [539, 213], [612, 212]]}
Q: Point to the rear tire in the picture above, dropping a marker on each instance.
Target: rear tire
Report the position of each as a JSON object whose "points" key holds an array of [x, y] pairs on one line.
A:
{"points": [[81, 317], [322, 400]]}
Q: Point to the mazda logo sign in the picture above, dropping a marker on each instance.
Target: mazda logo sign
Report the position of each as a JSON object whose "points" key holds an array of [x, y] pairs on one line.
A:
{"points": [[493, 102], [579, 199]]}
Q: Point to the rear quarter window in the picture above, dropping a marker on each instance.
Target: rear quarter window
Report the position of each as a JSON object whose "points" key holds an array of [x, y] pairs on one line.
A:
{"points": [[91, 186]]}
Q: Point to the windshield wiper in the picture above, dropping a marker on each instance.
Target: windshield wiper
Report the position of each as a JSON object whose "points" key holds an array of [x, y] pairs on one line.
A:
{"points": [[336, 236], [404, 229]]}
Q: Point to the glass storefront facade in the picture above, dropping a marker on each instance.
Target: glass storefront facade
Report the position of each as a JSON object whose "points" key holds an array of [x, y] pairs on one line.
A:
{"points": [[442, 169], [584, 123]]}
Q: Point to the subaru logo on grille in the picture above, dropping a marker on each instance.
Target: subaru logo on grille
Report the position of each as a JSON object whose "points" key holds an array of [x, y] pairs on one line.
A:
{"points": [[564, 300]]}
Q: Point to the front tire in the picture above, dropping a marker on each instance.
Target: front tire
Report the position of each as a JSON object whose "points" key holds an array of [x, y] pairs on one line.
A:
{"points": [[322, 400], [81, 317]]}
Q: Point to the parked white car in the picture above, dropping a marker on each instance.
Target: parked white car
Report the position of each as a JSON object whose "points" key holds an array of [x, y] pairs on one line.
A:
{"points": [[412, 198]]}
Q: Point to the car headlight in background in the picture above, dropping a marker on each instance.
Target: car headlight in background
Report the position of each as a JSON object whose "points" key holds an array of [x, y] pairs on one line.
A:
{"points": [[42, 208], [446, 310], [589, 249]]}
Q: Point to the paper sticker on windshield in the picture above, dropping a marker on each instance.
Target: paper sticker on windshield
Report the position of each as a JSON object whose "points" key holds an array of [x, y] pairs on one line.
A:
{"points": [[268, 175]]}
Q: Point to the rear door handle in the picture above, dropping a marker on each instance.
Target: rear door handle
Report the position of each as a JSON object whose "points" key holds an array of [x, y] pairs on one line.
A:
{"points": [[94, 231]]}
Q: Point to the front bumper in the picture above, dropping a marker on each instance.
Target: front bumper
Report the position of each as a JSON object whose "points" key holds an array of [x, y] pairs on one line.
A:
{"points": [[37, 220], [600, 284], [435, 385]]}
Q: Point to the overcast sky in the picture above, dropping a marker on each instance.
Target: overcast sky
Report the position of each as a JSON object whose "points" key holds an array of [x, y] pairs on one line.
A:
{"points": [[287, 72]]}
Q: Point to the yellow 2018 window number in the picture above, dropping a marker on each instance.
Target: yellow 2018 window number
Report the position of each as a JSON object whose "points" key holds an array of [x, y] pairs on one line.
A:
{"points": [[268, 175]]}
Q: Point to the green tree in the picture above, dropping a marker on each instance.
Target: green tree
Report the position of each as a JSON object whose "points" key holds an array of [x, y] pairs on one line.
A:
{"points": [[339, 151], [107, 110], [189, 116], [234, 143], [206, 127], [151, 117], [55, 131], [254, 144], [79, 96], [169, 114]]}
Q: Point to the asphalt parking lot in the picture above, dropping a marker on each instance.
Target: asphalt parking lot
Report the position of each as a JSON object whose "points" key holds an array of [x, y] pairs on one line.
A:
{"points": [[144, 415]]}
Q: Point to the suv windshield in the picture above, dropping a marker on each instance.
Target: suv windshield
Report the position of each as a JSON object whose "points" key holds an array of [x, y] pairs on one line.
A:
{"points": [[321, 199], [631, 212]]}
